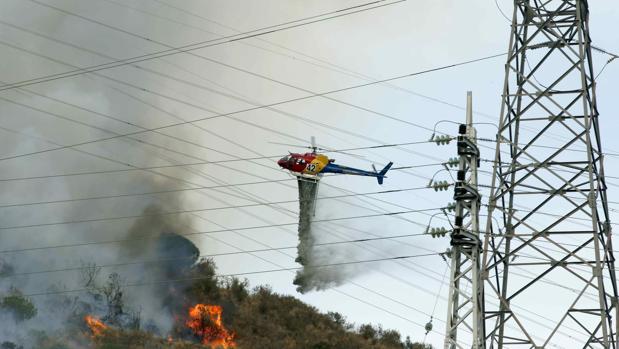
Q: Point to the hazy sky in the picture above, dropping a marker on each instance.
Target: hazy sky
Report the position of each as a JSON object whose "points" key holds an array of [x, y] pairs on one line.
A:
{"points": [[399, 39]]}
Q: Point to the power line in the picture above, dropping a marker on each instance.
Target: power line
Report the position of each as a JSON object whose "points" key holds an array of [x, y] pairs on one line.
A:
{"points": [[501, 11], [195, 186], [158, 282], [107, 158], [241, 274], [312, 122], [227, 65], [363, 246], [167, 281], [204, 188], [163, 260], [406, 282], [199, 210], [264, 178], [184, 102], [365, 302], [540, 146], [217, 62], [351, 295], [339, 291], [157, 173], [334, 223], [245, 71], [612, 55], [196, 46], [438, 280], [10, 179], [147, 237], [330, 66], [258, 107]]}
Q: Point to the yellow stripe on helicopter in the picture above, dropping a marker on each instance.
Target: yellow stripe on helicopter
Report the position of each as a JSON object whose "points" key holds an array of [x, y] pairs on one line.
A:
{"points": [[317, 165]]}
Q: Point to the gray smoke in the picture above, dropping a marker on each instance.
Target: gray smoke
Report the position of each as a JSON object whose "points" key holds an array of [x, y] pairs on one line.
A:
{"points": [[153, 252], [154, 249]]}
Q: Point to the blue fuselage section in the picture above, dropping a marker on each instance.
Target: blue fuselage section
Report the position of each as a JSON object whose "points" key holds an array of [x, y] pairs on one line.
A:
{"points": [[333, 168]]}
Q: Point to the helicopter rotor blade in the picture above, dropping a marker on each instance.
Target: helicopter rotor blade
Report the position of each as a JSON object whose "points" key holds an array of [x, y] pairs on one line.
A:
{"points": [[290, 145], [316, 148], [327, 150], [343, 152]]}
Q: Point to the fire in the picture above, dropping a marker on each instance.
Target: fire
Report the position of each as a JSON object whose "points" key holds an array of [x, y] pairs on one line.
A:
{"points": [[205, 322], [96, 326]]}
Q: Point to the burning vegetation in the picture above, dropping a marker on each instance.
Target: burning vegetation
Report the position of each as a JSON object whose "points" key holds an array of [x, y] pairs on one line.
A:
{"points": [[97, 328], [205, 322]]}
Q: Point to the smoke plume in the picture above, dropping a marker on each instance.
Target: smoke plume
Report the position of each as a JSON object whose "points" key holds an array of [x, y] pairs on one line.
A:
{"points": [[46, 289], [312, 257]]}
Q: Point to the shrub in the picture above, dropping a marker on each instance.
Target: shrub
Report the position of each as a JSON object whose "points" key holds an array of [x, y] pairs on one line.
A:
{"points": [[19, 306]]}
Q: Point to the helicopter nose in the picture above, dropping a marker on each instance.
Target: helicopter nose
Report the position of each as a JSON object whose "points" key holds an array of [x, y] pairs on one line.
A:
{"points": [[281, 163]]}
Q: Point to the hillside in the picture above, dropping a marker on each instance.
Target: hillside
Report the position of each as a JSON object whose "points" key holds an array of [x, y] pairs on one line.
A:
{"points": [[209, 312]]}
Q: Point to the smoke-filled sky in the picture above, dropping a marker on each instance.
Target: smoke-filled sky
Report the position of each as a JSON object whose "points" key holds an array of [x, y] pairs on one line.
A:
{"points": [[46, 37]]}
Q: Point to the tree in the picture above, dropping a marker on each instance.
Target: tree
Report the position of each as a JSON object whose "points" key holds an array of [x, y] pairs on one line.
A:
{"points": [[368, 332], [390, 338], [237, 288], [19, 306], [408, 344], [114, 297], [88, 274], [206, 285], [338, 318]]}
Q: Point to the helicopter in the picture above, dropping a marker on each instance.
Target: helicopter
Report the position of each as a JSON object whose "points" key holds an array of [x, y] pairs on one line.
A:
{"points": [[313, 165]]}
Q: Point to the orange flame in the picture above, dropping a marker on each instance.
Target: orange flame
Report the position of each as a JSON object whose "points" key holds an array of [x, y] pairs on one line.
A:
{"points": [[205, 322], [96, 326]]}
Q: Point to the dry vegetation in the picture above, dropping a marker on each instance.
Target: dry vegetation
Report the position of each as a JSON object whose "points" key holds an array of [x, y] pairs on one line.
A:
{"points": [[260, 319]]}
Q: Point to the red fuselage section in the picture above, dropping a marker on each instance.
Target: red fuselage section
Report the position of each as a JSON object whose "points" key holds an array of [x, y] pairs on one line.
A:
{"points": [[296, 162]]}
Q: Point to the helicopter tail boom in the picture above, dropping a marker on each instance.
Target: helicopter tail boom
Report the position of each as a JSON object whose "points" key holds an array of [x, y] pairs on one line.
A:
{"points": [[380, 176]]}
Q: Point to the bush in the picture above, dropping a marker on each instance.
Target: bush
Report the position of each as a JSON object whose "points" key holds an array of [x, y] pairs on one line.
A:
{"points": [[18, 305], [10, 345]]}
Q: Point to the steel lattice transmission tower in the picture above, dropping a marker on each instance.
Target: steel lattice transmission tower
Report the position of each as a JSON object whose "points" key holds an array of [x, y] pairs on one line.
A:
{"points": [[549, 269], [465, 307]]}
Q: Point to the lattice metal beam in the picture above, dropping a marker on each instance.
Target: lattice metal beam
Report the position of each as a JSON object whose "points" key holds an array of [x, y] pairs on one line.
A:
{"points": [[551, 267], [465, 307]]}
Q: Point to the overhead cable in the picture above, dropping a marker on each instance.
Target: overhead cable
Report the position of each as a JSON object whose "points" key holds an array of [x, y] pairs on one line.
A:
{"points": [[210, 255], [256, 107], [147, 237], [168, 281], [208, 187], [199, 45]]}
